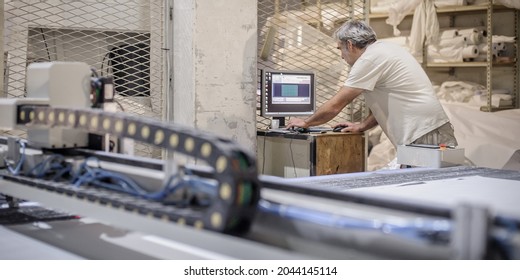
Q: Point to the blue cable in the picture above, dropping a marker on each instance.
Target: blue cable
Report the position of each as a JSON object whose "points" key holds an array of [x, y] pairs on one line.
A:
{"points": [[118, 182], [41, 168]]}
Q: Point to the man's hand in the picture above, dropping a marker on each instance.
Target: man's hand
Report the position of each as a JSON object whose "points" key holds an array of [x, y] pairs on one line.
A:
{"points": [[296, 122], [349, 127]]}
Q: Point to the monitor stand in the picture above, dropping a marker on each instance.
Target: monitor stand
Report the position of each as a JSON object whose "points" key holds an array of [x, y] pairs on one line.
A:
{"points": [[281, 121]]}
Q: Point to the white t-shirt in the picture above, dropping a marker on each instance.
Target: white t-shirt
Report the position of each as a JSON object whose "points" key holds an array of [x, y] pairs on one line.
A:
{"points": [[397, 91]]}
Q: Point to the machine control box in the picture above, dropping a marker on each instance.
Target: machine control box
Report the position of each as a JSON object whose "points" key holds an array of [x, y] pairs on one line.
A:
{"points": [[429, 156]]}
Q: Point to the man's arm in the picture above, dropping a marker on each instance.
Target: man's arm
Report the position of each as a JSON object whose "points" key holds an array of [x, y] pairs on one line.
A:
{"points": [[330, 109], [366, 124]]}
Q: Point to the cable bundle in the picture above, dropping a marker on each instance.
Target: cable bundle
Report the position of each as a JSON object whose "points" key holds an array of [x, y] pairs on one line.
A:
{"points": [[181, 190]]}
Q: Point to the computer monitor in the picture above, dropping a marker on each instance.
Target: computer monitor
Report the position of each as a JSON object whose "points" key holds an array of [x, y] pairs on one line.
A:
{"points": [[287, 93]]}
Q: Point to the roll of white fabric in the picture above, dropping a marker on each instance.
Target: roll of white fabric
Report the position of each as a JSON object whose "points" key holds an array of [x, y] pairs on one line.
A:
{"points": [[503, 39], [499, 46], [496, 47], [497, 99], [445, 54], [455, 41], [467, 31], [470, 52], [449, 33], [473, 38]]}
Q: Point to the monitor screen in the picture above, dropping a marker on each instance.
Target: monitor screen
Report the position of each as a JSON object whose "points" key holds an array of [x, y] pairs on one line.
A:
{"points": [[287, 93]]}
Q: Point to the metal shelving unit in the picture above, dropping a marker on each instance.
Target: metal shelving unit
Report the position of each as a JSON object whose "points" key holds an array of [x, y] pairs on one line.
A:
{"points": [[490, 10]]}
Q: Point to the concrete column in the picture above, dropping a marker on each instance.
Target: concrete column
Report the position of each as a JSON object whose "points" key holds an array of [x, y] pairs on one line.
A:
{"points": [[214, 67], [2, 91]]}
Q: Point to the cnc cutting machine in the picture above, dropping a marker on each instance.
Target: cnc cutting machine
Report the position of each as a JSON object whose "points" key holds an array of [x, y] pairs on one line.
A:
{"points": [[124, 206]]}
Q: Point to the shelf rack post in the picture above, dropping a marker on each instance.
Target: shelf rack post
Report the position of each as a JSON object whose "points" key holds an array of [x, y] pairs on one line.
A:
{"points": [[516, 76], [489, 64]]}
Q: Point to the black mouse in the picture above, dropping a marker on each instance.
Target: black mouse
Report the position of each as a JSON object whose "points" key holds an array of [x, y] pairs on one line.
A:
{"points": [[299, 129], [339, 128]]}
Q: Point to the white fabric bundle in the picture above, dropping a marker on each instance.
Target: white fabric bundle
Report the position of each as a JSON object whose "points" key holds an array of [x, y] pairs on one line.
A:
{"points": [[459, 91], [503, 39], [451, 50], [498, 45], [398, 10], [446, 54], [497, 99], [472, 93], [509, 3], [425, 27], [457, 45]]}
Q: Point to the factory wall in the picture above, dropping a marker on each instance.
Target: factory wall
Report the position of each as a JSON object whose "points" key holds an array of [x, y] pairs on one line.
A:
{"points": [[212, 56], [214, 61], [2, 90]]}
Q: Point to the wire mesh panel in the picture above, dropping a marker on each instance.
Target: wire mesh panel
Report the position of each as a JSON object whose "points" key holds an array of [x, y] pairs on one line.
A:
{"points": [[296, 35], [119, 38]]}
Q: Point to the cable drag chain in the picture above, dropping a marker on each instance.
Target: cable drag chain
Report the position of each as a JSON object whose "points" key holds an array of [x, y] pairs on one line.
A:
{"points": [[233, 167]]}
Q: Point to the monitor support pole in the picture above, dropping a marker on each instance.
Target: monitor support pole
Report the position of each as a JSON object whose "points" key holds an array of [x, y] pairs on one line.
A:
{"points": [[281, 121]]}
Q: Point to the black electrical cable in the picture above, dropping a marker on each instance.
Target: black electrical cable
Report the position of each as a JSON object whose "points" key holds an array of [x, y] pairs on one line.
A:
{"points": [[103, 64], [45, 42], [263, 158], [292, 157]]}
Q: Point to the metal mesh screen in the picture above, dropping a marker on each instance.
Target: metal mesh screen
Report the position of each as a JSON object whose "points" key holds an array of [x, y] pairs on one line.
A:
{"points": [[119, 38], [296, 35]]}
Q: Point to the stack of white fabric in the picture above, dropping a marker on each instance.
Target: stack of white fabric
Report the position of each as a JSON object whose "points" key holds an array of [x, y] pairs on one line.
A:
{"points": [[459, 91], [473, 94], [508, 3], [398, 9], [457, 45], [498, 47], [499, 98]]}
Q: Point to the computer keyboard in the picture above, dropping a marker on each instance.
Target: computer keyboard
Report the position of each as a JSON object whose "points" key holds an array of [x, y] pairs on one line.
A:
{"points": [[309, 129], [280, 130], [319, 128]]}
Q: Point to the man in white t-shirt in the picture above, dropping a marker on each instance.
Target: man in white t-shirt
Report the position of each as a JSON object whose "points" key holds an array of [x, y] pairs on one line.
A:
{"points": [[397, 91]]}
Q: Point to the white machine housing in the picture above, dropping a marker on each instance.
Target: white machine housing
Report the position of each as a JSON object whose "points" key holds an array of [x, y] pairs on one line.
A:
{"points": [[63, 84], [429, 156]]}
